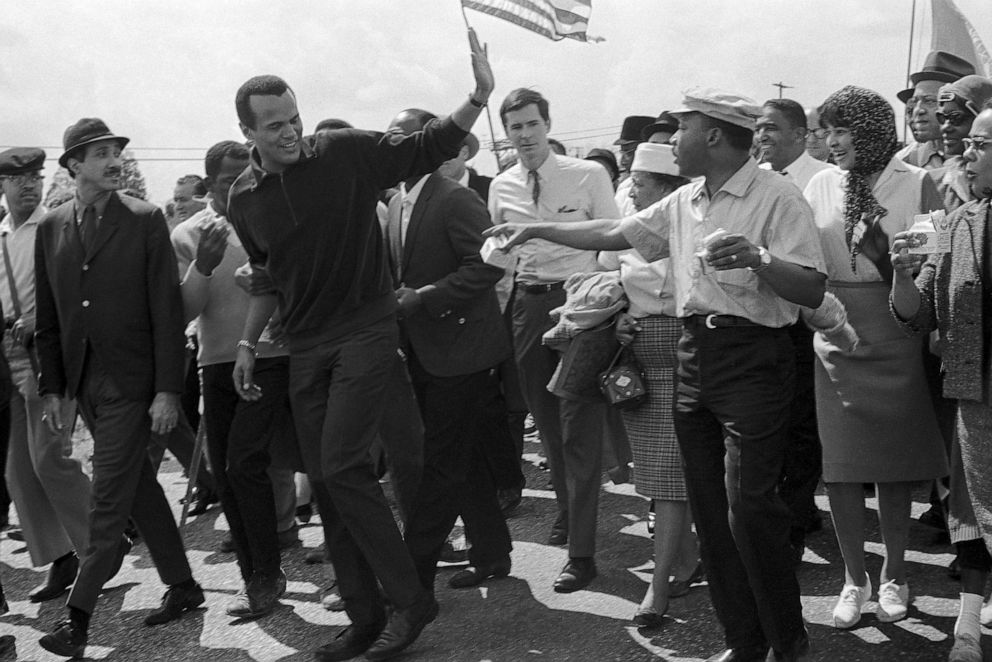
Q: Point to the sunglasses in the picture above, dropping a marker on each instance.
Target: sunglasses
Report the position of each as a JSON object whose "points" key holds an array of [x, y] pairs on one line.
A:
{"points": [[954, 119]]}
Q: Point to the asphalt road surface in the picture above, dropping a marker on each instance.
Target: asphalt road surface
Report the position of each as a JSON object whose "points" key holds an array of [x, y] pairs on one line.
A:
{"points": [[516, 619]]}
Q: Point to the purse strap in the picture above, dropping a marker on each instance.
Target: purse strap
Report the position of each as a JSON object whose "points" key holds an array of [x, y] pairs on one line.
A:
{"points": [[616, 357]]}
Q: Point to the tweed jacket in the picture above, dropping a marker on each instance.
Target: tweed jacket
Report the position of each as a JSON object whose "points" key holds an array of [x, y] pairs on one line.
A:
{"points": [[951, 290]]}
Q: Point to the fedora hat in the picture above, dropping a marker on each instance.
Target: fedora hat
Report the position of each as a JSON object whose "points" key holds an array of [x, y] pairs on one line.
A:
{"points": [[939, 66], [84, 132], [631, 130]]}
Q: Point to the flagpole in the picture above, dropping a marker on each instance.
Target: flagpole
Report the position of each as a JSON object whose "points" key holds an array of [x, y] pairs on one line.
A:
{"points": [[909, 68], [489, 117]]}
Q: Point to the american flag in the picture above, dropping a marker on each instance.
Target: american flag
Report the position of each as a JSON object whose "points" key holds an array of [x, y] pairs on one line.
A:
{"points": [[555, 19]]}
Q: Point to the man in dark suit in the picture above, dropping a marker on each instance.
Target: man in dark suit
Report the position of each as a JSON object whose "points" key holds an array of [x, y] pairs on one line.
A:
{"points": [[454, 338], [110, 334]]}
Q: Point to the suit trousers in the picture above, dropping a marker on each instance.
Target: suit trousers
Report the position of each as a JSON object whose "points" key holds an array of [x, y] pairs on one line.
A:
{"points": [[731, 417], [238, 438], [337, 390], [457, 480], [571, 431], [181, 442], [49, 488], [124, 485], [804, 455], [401, 434]]}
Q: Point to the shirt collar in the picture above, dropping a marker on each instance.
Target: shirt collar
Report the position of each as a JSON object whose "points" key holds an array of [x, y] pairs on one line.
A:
{"points": [[414, 193], [737, 185], [6, 226], [100, 206], [259, 173], [463, 180]]}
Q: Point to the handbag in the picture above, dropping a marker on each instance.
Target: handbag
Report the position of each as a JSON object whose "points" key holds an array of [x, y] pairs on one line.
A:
{"points": [[623, 384]]}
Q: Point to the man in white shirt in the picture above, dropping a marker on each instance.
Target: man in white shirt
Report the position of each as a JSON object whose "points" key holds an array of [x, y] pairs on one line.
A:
{"points": [[544, 186], [781, 131], [49, 488]]}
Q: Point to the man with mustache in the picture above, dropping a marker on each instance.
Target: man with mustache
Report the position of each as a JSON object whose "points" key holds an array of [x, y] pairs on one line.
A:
{"points": [[110, 334], [50, 490]]}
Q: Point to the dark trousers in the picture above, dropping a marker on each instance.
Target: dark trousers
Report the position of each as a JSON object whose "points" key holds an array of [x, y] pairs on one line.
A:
{"points": [[456, 478], [804, 454], [504, 456], [181, 442], [239, 434], [337, 389], [124, 485], [731, 417], [571, 431], [401, 433]]}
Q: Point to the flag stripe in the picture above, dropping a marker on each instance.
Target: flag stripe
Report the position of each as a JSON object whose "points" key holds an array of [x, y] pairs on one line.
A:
{"points": [[554, 19]]}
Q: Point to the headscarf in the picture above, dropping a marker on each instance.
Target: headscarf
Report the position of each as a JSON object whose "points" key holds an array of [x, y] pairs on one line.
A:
{"points": [[873, 130]]}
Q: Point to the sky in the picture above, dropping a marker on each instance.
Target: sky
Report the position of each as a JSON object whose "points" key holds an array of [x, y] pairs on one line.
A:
{"points": [[165, 73]]}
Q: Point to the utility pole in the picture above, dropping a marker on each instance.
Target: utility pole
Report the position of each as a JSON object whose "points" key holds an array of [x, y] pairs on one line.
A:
{"points": [[781, 86]]}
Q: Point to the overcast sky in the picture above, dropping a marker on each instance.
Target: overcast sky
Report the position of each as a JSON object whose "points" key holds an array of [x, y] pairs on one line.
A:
{"points": [[165, 74]]}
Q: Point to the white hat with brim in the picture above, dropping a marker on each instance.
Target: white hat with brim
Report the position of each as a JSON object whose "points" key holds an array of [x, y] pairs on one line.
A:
{"points": [[652, 157], [726, 106]]}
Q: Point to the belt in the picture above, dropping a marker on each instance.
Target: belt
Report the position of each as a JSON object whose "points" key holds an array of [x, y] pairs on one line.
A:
{"points": [[713, 321], [540, 288]]}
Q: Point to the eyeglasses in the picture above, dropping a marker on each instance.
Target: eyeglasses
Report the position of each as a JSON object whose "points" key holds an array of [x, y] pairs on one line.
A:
{"points": [[21, 180], [819, 134], [928, 101], [954, 119], [976, 143]]}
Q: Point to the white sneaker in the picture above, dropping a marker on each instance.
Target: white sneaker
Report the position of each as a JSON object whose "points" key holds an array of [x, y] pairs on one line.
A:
{"points": [[893, 601], [847, 611]]}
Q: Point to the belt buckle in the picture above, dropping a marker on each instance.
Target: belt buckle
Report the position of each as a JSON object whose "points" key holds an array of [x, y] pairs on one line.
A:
{"points": [[710, 321]]}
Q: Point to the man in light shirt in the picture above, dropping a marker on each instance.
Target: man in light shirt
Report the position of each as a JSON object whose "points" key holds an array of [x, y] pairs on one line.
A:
{"points": [[781, 132], [559, 190], [737, 294]]}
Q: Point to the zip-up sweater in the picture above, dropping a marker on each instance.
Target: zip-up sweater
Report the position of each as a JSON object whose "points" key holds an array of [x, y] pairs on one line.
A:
{"points": [[314, 226]]}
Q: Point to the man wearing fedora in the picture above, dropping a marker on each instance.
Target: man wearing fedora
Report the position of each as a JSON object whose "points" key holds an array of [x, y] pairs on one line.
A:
{"points": [[940, 67], [110, 334], [50, 490], [631, 135]]}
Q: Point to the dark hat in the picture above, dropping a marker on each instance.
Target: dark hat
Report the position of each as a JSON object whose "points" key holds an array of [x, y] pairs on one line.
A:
{"points": [[631, 131], [18, 160], [665, 122], [607, 158], [940, 66], [85, 131]]}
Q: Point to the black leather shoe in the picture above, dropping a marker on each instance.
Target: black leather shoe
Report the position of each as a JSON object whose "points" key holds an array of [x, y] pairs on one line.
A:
{"points": [[451, 555], [61, 575], [404, 626], [745, 654], [475, 575], [176, 601], [576, 575], [261, 595], [202, 501], [67, 640], [679, 587], [350, 642]]}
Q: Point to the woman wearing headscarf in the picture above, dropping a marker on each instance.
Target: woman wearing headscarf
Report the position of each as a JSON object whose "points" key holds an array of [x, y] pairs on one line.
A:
{"points": [[651, 329], [952, 294], [875, 417]]}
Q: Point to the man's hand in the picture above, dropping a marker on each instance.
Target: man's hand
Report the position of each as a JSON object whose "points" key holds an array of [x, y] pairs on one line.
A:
{"points": [[211, 247], [733, 251], [244, 382], [164, 412], [253, 280], [52, 413], [515, 234], [905, 265], [627, 328], [484, 81], [23, 331], [408, 300]]}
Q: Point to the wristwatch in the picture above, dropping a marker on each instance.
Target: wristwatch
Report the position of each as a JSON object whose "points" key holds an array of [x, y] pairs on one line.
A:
{"points": [[764, 259]]}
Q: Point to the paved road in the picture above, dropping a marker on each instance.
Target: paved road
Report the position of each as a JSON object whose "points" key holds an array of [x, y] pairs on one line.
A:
{"points": [[517, 619]]}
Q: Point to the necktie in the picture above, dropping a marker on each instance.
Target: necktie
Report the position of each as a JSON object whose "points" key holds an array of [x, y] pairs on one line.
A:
{"points": [[536, 193], [87, 228]]}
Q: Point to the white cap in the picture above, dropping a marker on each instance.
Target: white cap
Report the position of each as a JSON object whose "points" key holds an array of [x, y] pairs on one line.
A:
{"points": [[653, 157]]}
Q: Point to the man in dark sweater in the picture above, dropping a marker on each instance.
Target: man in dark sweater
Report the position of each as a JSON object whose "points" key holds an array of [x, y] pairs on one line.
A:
{"points": [[305, 213]]}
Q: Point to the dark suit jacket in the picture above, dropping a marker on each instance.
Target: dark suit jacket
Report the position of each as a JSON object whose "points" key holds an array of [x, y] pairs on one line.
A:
{"points": [[480, 184], [459, 330], [120, 302]]}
